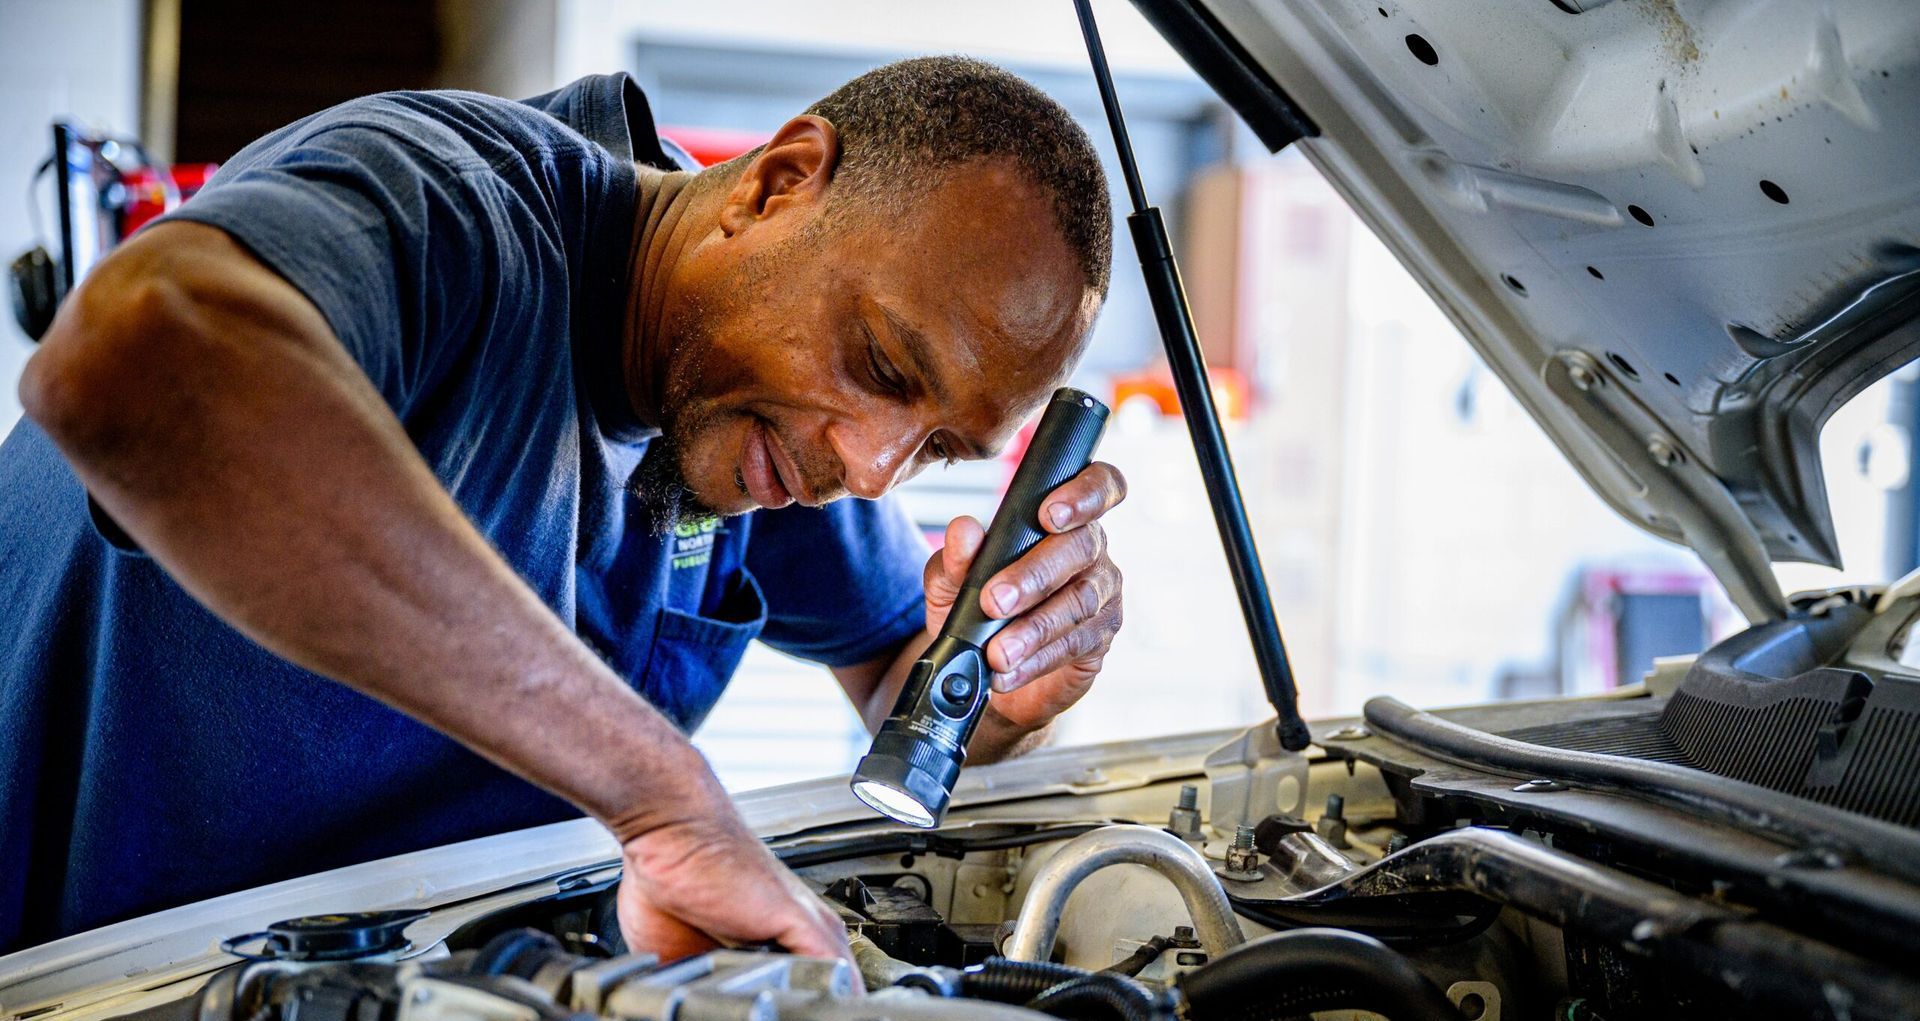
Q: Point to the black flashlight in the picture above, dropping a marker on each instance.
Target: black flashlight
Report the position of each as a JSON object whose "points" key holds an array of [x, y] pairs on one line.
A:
{"points": [[909, 772]]}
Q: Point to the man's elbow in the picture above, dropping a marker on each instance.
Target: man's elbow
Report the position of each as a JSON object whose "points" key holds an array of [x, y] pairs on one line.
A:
{"points": [[93, 379]]}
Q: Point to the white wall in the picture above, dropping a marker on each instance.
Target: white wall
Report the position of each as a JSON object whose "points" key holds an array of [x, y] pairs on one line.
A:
{"points": [[77, 58], [594, 35]]}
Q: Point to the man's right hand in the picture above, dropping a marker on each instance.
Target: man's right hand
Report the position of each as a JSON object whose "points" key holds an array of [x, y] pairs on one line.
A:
{"points": [[693, 885]]}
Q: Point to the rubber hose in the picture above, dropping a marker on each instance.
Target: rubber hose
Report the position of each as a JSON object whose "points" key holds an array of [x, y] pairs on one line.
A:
{"points": [[517, 952], [1292, 973], [1137, 962], [1008, 981], [1096, 996]]}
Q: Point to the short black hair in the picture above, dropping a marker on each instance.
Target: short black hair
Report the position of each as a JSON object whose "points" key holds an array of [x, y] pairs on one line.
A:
{"points": [[901, 122]]}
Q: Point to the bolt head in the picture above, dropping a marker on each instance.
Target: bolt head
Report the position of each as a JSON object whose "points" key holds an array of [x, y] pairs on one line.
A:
{"points": [[1663, 453], [1233, 870], [1583, 378]]}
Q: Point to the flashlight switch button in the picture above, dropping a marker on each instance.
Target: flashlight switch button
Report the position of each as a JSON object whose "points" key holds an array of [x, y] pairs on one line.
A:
{"points": [[957, 688]]}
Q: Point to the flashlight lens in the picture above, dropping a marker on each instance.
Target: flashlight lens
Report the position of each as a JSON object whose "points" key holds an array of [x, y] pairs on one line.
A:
{"points": [[894, 804]]}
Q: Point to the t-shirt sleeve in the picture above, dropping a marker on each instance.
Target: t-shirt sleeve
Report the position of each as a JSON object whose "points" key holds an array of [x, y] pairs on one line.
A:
{"points": [[842, 582], [381, 232]]}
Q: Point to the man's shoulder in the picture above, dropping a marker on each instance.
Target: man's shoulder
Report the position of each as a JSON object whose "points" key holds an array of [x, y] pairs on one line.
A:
{"points": [[461, 131]]}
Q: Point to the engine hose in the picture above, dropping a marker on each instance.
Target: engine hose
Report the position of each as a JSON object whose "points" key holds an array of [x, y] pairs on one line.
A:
{"points": [[1292, 973], [1097, 996], [1061, 990], [1137, 962], [1008, 981]]}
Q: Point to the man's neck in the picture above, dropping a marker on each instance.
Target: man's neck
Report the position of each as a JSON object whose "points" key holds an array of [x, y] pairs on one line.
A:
{"points": [[663, 227]]}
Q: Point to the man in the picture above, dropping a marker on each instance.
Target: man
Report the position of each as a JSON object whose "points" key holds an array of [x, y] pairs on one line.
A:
{"points": [[436, 395]]}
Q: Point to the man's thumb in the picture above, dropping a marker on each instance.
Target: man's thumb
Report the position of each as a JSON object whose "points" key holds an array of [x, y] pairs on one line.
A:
{"points": [[947, 569], [964, 535]]}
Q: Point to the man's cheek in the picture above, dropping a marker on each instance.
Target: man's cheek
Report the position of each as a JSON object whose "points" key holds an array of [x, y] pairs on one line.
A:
{"points": [[704, 464]]}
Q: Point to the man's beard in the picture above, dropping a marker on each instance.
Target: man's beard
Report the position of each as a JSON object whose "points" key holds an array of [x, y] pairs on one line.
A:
{"points": [[660, 482], [661, 485]]}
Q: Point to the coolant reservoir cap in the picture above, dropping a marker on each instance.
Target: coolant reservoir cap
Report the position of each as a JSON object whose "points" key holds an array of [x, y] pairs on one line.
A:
{"points": [[337, 937]]}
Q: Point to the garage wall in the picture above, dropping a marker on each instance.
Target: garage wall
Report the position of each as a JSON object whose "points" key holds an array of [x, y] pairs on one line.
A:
{"points": [[78, 58], [593, 35]]}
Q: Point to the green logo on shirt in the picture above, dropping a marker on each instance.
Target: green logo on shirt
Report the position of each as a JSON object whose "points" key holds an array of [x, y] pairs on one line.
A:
{"points": [[693, 542]]}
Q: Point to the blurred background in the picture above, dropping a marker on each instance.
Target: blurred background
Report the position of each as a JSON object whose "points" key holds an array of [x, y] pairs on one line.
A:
{"points": [[1422, 537]]}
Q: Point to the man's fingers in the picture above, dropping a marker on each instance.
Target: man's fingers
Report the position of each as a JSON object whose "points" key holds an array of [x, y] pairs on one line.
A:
{"points": [[1064, 687], [1082, 499], [818, 932], [1025, 582], [1076, 602], [808, 936], [1085, 645]]}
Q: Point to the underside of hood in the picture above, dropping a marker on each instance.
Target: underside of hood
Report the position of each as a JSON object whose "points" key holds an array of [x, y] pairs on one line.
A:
{"points": [[1683, 232]]}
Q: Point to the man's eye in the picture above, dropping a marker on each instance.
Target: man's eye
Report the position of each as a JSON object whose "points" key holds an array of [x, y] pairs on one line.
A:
{"points": [[938, 448], [885, 376]]}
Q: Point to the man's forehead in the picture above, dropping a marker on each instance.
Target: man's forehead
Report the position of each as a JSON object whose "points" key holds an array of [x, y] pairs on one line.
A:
{"points": [[984, 260]]}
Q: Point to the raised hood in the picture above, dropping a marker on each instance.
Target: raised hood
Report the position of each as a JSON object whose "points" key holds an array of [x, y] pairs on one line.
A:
{"points": [[1683, 232]]}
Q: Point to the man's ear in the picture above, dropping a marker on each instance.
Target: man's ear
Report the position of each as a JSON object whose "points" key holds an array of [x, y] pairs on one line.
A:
{"points": [[793, 168]]}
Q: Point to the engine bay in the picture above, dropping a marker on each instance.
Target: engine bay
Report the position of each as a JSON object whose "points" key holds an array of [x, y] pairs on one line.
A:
{"points": [[1009, 920], [1376, 880]]}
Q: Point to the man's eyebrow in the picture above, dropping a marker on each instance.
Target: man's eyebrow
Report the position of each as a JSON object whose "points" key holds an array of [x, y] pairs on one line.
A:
{"points": [[918, 351]]}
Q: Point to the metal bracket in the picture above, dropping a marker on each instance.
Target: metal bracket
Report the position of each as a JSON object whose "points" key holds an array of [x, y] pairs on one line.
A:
{"points": [[1253, 777]]}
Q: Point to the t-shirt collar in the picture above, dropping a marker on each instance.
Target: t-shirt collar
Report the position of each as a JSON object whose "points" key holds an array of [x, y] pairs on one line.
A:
{"points": [[611, 111]]}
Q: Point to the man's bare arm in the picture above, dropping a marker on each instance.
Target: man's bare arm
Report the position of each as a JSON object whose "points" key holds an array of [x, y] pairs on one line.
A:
{"points": [[211, 411]]}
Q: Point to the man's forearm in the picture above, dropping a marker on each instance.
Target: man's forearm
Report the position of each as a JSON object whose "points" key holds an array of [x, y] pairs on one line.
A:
{"points": [[212, 414]]}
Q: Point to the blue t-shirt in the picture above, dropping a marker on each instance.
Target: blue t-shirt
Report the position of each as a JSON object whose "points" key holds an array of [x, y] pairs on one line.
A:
{"points": [[469, 252]]}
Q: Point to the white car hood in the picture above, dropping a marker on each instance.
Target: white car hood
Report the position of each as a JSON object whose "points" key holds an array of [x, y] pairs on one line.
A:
{"points": [[1683, 232]]}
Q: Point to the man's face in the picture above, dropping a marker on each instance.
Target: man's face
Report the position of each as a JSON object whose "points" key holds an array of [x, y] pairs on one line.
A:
{"points": [[814, 359]]}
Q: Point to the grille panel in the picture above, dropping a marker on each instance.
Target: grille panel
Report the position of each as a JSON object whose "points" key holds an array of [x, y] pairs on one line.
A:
{"points": [[1772, 745], [1880, 780], [1638, 736]]}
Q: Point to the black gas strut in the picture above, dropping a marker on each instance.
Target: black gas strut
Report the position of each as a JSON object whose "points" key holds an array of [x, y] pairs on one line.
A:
{"points": [[1189, 368]]}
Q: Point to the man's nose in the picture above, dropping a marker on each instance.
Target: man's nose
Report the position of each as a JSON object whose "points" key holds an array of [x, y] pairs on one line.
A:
{"points": [[877, 457]]}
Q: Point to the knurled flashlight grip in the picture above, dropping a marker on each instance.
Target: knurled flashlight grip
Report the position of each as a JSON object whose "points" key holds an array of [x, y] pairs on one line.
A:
{"points": [[1062, 447], [916, 757]]}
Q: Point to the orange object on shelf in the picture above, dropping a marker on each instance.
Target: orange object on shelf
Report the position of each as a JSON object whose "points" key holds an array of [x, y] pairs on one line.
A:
{"points": [[1230, 390]]}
